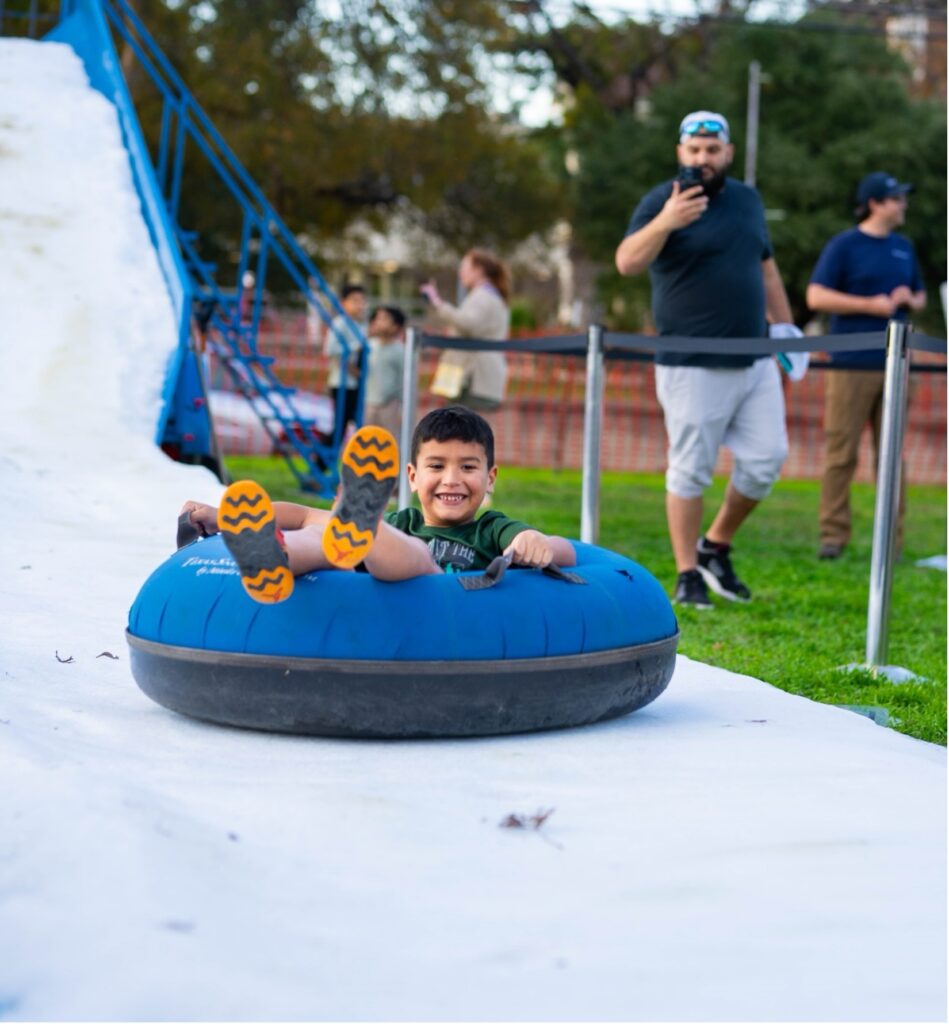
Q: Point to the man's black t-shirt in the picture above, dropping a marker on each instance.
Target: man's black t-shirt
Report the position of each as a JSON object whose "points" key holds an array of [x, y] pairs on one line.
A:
{"points": [[707, 281]]}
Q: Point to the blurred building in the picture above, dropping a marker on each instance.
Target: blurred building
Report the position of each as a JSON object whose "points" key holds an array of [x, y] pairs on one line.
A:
{"points": [[920, 38]]}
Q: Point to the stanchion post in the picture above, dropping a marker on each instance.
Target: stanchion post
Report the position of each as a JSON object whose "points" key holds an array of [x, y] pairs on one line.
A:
{"points": [[592, 433], [887, 491], [409, 408]]}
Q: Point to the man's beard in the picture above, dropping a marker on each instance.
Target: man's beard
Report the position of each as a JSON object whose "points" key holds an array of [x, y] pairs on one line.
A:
{"points": [[716, 183]]}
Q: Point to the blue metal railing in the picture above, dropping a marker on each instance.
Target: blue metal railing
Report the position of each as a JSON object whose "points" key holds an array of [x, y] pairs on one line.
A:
{"points": [[195, 285], [264, 238]]}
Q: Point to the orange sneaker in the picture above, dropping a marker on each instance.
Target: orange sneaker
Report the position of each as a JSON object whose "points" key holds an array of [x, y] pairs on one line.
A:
{"points": [[246, 520], [368, 472]]}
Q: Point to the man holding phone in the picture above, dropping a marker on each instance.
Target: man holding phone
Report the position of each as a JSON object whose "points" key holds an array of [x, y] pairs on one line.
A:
{"points": [[703, 238]]}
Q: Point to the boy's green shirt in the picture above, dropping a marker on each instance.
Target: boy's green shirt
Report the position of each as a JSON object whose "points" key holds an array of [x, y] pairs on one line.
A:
{"points": [[460, 548]]}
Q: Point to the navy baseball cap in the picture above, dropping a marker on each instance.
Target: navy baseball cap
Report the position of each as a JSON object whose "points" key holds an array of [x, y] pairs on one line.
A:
{"points": [[879, 185]]}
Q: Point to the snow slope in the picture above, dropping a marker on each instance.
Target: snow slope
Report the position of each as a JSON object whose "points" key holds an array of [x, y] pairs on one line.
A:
{"points": [[729, 853]]}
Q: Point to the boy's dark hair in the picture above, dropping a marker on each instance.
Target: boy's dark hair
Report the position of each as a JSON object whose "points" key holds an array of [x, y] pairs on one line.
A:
{"points": [[454, 423], [398, 317], [350, 289]]}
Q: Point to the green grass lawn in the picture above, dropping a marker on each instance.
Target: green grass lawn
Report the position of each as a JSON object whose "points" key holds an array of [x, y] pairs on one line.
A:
{"points": [[807, 617]]}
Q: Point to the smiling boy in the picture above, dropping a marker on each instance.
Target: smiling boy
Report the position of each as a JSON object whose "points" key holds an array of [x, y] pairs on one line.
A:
{"points": [[451, 469]]}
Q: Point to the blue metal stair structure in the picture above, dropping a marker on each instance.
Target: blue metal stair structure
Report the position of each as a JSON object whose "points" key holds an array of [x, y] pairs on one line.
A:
{"points": [[209, 313], [264, 237]]}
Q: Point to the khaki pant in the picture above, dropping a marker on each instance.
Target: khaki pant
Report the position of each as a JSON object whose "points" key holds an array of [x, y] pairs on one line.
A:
{"points": [[852, 398]]}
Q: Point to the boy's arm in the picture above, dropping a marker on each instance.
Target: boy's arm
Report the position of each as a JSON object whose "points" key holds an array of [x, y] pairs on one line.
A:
{"points": [[291, 516], [203, 517], [564, 553], [288, 514], [531, 547]]}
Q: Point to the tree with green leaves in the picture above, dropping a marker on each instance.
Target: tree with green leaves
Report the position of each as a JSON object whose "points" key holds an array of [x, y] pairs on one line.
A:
{"points": [[350, 112]]}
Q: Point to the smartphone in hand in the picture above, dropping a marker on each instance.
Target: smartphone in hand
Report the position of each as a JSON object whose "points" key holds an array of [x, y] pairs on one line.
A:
{"points": [[689, 177]]}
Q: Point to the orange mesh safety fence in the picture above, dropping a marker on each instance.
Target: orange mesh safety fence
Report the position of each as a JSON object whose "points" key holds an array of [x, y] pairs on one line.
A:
{"points": [[540, 422]]}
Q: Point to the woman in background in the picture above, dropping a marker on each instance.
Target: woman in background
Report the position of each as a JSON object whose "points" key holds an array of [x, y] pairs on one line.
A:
{"points": [[474, 379]]}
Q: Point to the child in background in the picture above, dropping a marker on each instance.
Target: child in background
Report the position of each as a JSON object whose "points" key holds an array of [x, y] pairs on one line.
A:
{"points": [[451, 469], [353, 301], [386, 358]]}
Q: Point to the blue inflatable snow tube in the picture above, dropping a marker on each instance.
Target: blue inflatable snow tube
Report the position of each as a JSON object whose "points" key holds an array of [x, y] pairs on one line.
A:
{"points": [[348, 655]]}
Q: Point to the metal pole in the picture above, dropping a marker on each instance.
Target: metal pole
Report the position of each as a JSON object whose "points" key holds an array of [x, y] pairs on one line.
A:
{"points": [[888, 491], [592, 431], [409, 405], [751, 131]]}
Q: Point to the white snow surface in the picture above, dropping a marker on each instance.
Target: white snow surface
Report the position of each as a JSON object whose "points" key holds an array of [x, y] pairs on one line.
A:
{"points": [[729, 853]]}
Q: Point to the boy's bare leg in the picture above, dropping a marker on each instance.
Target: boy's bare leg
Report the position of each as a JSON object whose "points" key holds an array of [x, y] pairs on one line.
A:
{"points": [[394, 555], [352, 532], [305, 545], [397, 556]]}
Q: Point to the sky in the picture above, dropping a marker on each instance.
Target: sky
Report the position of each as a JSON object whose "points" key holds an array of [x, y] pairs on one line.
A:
{"points": [[535, 98], [612, 10], [730, 852]]}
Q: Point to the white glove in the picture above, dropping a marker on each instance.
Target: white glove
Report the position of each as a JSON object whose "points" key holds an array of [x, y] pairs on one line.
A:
{"points": [[794, 364]]}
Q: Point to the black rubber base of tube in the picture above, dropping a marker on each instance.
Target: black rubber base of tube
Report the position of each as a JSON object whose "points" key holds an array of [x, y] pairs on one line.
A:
{"points": [[402, 700]]}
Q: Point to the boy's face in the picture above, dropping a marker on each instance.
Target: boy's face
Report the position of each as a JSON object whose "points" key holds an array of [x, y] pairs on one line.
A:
{"points": [[355, 305], [451, 479], [383, 326]]}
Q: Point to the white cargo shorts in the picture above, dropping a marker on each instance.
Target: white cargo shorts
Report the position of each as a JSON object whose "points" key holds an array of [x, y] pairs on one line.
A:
{"points": [[705, 408]]}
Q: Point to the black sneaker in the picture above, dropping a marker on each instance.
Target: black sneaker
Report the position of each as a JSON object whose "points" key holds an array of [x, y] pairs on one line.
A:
{"points": [[716, 569], [691, 590]]}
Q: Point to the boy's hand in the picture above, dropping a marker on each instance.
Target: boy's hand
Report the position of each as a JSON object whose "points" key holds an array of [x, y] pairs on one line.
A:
{"points": [[530, 547], [202, 517]]}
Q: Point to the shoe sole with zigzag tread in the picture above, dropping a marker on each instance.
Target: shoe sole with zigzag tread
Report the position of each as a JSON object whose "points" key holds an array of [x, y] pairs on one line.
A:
{"points": [[368, 472], [246, 520]]}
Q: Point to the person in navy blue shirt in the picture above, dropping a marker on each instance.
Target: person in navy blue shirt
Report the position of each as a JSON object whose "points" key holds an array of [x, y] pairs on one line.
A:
{"points": [[713, 275], [864, 277]]}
